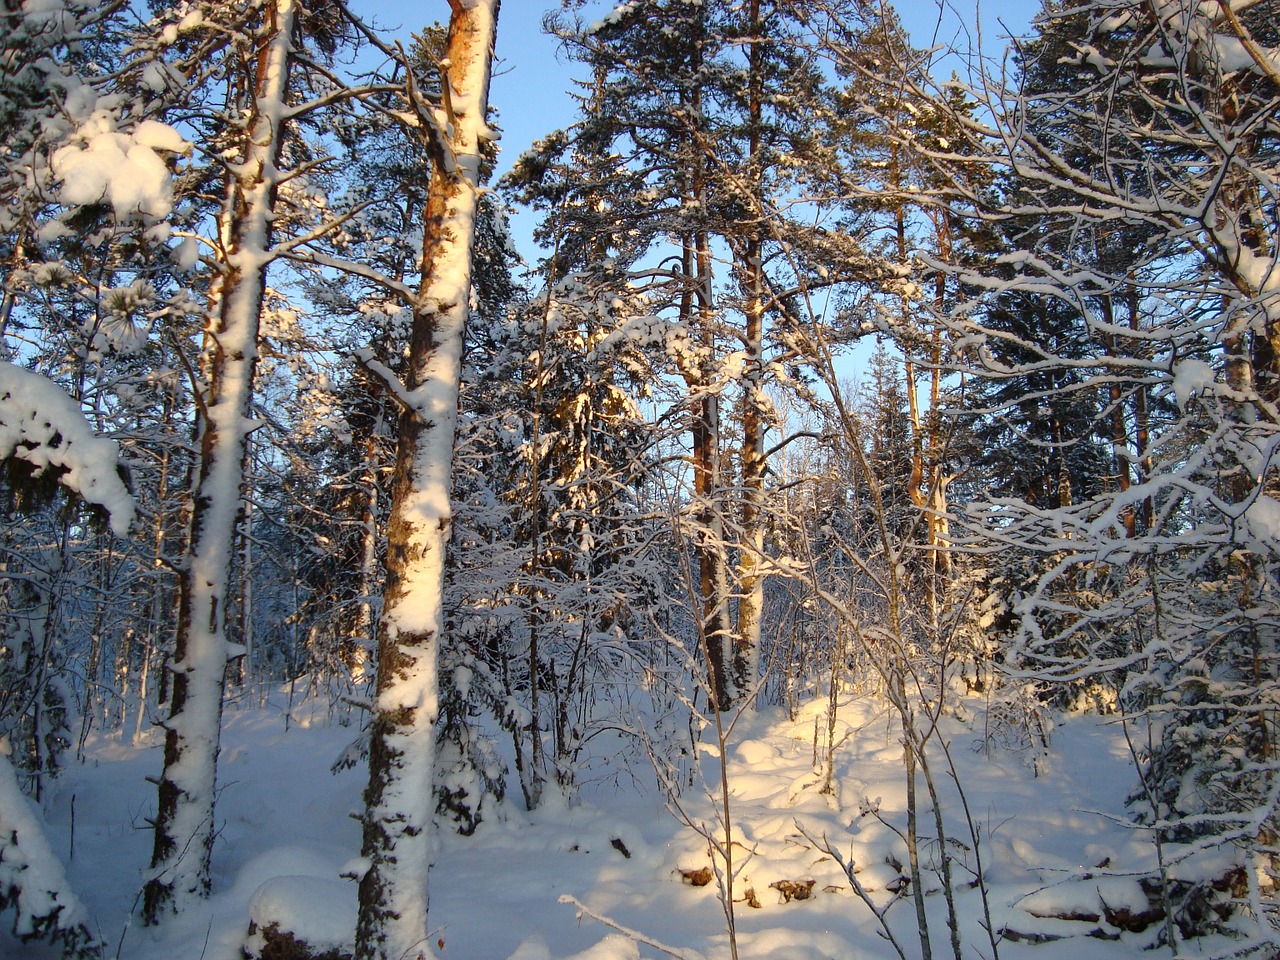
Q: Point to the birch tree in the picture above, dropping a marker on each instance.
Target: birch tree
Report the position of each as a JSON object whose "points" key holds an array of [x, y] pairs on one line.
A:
{"points": [[392, 923], [271, 212]]}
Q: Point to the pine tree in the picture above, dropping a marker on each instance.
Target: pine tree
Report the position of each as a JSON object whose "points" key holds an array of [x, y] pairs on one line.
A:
{"points": [[393, 889], [703, 112]]}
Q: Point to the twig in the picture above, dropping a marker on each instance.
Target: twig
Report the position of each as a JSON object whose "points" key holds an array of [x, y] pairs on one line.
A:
{"points": [[635, 935], [848, 866]]}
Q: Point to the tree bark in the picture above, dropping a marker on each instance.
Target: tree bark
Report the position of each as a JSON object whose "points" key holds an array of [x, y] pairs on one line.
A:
{"points": [[184, 828], [713, 568], [392, 922], [746, 652], [713, 565]]}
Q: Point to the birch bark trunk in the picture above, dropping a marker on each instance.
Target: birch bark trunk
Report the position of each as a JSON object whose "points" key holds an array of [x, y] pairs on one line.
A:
{"points": [[746, 654]]}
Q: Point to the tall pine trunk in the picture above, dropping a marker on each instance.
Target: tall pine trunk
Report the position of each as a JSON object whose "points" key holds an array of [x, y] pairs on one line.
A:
{"points": [[184, 827], [746, 653], [392, 923], [716, 627], [708, 467]]}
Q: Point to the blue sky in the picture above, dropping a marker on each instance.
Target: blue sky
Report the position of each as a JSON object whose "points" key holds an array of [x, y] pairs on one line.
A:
{"points": [[532, 85]]}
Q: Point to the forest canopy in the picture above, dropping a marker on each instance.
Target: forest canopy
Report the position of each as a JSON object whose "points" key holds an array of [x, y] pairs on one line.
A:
{"points": [[836, 376]]}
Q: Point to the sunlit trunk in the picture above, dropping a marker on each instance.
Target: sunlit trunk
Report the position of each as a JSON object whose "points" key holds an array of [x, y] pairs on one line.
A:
{"points": [[400, 803], [746, 653]]}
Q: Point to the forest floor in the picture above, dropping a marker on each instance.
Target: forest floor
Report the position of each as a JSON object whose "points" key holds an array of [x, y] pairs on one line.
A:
{"points": [[1050, 837]]}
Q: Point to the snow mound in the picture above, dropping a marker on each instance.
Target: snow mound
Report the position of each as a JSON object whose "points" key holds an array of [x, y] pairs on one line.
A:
{"points": [[32, 879], [613, 947], [128, 170], [317, 910]]}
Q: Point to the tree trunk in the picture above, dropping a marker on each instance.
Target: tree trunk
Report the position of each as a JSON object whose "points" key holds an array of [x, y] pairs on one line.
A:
{"points": [[392, 923], [184, 828], [746, 652], [713, 566], [713, 569], [362, 636]]}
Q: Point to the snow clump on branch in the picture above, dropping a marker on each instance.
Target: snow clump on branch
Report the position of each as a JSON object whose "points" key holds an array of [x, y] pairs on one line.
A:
{"points": [[129, 169], [41, 424]]}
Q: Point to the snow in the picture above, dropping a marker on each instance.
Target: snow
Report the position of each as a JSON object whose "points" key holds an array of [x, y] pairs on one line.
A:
{"points": [[1191, 378], [613, 947], [41, 424], [319, 910], [615, 16], [127, 169], [1051, 843], [1263, 519], [192, 21], [160, 136], [154, 77], [186, 254], [30, 873]]}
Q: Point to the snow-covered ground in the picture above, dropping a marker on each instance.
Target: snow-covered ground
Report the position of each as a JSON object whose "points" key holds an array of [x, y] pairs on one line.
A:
{"points": [[1049, 844]]}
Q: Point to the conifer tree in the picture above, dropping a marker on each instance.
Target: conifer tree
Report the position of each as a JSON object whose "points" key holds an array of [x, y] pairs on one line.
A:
{"points": [[705, 112], [397, 821]]}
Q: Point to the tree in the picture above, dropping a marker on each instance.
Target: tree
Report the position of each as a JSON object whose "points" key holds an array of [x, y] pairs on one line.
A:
{"points": [[45, 441], [184, 828], [393, 888], [705, 113], [552, 599], [260, 193], [88, 190], [1155, 123]]}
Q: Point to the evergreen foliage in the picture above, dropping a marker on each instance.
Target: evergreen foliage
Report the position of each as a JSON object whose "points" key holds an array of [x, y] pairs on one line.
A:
{"points": [[231, 462]]}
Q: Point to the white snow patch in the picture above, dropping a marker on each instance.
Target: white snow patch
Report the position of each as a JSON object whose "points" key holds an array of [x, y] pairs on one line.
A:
{"points": [[494, 894], [1191, 377], [1263, 518], [318, 910], [124, 169], [613, 947], [160, 136], [186, 254], [41, 424], [30, 874]]}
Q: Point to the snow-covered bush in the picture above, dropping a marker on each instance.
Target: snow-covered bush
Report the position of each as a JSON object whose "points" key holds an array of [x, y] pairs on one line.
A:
{"points": [[32, 880]]}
